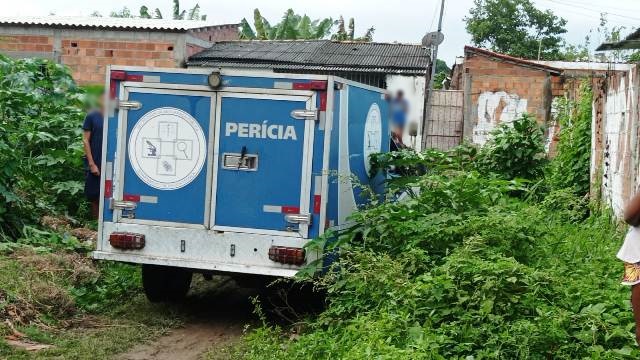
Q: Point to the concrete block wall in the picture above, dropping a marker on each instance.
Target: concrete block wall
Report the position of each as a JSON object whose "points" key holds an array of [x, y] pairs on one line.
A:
{"points": [[615, 150]]}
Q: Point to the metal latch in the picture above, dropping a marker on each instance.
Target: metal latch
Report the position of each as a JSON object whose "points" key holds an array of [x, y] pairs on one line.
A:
{"points": [[243, 162], [122, 205], [305, 114], [129, 105], [127, 207], [298, 218]]}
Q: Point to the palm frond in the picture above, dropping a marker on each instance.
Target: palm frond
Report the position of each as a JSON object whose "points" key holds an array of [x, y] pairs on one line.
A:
{"points": [[246, 32], [194, 13], [144, 12], [176, 9]]}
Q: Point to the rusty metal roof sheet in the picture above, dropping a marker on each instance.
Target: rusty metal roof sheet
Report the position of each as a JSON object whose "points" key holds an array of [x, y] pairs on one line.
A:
{"points": [[511, 59], [106, 23], [325, 55]]}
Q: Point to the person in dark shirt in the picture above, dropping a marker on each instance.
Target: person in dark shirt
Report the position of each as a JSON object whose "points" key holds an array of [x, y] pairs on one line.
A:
{"points": [[92, 143]]}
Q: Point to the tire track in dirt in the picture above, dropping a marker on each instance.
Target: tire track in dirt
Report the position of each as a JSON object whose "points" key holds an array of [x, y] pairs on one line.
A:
{"points": [[214, 315]]}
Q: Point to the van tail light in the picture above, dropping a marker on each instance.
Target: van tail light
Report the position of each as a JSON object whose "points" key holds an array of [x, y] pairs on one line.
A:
{"points": [[287, 255], [126, 240]]}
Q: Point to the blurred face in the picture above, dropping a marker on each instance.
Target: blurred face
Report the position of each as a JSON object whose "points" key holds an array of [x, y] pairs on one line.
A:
{"points": [[400, 94]]}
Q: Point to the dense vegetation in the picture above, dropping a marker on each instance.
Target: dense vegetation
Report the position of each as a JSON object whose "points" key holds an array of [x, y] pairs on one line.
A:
{"points": [[47, 280], [41, 110], [493, 258], [491, 253]]}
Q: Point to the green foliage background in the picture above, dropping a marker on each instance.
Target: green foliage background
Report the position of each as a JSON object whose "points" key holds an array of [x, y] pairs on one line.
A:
{"points": [[41, 112], [571, 167], [488, 256]]}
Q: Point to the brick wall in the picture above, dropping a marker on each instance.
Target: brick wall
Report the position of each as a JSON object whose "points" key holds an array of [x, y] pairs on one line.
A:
{"points": [[87, 52], [218, 33], [26, 43], [501, 91], [88, 59]]}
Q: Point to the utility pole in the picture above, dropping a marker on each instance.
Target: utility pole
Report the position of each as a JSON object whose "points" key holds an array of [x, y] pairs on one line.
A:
{"points": [[429, 85], [540, 49], [435, 49]]}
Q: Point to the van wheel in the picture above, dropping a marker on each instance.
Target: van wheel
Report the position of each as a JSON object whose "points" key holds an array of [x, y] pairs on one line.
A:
{"points": [[165, 283]]}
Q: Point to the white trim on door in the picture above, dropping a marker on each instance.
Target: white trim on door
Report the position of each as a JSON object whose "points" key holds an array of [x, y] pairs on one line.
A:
{"points": [[305, 186], [122, 154]]}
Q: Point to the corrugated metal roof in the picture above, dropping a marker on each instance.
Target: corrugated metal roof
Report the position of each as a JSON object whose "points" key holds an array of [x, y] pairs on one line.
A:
{"points": [[316, 55], [105, 22], [585, 65], [631, 42]]}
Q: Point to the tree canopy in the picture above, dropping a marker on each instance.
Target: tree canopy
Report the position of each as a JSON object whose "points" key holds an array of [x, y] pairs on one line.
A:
{"points": [[517, 28]]}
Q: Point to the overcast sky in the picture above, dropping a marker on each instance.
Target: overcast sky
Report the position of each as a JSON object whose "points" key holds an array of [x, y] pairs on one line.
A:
{"points": [[395, 20]]}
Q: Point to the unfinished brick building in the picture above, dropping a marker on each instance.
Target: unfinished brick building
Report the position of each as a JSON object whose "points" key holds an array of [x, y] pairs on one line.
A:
{"points": [[499, 88], [88, 44]]}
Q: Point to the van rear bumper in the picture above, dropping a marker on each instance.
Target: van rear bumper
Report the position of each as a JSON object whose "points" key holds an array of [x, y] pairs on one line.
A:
{"points": [[194, 264], [202, 249]]}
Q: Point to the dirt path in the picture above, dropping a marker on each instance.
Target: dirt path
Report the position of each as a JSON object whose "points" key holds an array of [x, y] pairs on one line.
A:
{"points": [[214, 315], [186, 343]]}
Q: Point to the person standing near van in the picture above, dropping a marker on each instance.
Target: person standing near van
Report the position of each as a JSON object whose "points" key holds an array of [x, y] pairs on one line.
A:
{"points": [[399, 109], [92, 143]]}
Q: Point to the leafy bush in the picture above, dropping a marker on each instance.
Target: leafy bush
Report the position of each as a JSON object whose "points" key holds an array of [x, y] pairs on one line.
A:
{"points": [[116, 282], [466, 267], [515, 150], [41, 111], [571, 166]]}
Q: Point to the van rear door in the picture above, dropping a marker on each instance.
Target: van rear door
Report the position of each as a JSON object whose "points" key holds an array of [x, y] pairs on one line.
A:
{"points": [[263, 163], [163, 154]]}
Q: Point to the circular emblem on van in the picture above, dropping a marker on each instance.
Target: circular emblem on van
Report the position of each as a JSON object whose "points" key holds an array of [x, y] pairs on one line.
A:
{"points": [[372, 135], [167, 148]]}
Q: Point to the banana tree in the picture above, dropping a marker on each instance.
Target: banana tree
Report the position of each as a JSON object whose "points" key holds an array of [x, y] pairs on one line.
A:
{"points": [[177, 13], [349, 35], [291, 27]]}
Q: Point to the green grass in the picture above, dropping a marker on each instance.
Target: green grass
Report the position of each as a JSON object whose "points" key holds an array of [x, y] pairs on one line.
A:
{"points": [[41, 286]]}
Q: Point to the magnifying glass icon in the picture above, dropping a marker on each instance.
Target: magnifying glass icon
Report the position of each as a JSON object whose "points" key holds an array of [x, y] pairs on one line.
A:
{"points": [[182, 147]]}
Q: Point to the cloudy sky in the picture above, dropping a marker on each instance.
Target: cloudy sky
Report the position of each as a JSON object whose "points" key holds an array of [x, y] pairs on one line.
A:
{"points": [[395, 20]]}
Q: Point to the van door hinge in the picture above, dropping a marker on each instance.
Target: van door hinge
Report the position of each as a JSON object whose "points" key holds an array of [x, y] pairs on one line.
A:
{"points": [[298, 218], [305, 114], [129, 105]]}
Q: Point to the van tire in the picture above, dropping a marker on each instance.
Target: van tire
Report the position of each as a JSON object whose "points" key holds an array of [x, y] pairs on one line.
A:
{"points": [[165, 283]]}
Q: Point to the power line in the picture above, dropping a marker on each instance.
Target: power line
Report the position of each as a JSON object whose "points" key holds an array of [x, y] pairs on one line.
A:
{"points": [[573, 4], [591, 16], [433, 19], [576, 3], [596, 11]]}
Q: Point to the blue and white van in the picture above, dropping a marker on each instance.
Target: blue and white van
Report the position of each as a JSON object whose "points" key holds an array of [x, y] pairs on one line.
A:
{"points": [[230, 171]]}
